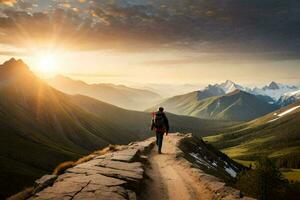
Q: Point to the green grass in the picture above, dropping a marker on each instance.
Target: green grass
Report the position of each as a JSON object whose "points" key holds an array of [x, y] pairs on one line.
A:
{"points": [[245, 163], [279, 140], [292, 175]]}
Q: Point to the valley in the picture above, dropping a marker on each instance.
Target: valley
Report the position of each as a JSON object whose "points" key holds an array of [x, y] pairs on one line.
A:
{"points": [[38, 120]]}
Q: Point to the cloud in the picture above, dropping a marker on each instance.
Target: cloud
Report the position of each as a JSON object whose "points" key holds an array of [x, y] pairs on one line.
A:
{"points": [[232, 57], [13, 53], [8, 2], [202, 26]]}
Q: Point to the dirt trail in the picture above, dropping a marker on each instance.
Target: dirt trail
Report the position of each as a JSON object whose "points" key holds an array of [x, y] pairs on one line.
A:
{"points": [[168, 179]]}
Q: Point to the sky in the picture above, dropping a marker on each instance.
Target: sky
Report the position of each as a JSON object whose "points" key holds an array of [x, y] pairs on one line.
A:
{"points": [[136, 42]]}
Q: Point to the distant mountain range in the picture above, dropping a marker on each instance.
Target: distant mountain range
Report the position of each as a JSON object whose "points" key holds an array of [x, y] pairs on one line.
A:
{"points": [[234, 106], [275, 135], [272, 92], [41, 126], [289, 98], [230, 101], [119, 95]]}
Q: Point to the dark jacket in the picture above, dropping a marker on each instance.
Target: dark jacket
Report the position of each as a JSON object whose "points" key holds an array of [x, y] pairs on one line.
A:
{"points": [[166, 123]]}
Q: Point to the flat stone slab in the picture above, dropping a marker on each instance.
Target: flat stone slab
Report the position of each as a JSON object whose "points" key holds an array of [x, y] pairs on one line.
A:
{"points": [[104, 193], [143, 146], [128, 155], [82, 191], [60, 190], [116, 173], [96, 179], [134, 167]]}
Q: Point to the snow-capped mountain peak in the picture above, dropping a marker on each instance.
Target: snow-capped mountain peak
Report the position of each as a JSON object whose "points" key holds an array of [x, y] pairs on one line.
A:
{"points": [[278, 93], [274, 90], [289, 98], [229, 86], [273, 86]]}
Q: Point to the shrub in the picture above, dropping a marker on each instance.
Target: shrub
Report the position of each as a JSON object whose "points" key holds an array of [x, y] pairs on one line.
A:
{"points": [[60, 169], [264, 182]]}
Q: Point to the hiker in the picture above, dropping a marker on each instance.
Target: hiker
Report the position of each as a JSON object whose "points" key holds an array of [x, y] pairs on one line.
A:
{"points": [[160, 125]]}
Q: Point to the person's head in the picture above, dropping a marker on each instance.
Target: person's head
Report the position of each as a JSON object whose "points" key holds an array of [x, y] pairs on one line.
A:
{"points": [[161, 109]]}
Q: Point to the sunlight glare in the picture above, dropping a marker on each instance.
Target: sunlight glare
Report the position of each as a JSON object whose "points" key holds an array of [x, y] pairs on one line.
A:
{"points": [[47, 63]]}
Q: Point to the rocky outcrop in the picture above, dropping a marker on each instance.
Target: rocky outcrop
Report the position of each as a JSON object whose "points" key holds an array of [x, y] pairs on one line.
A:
{"points": [[115, 176], [215, 170]]}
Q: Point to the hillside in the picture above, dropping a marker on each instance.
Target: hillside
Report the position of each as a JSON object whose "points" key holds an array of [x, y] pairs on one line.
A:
{"points": [[275, 135], [234, 106], [41, 127], [119, 95], [136, 171]]}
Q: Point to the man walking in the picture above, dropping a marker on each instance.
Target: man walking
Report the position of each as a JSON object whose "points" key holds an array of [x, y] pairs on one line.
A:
{"points": [[160, 125]]}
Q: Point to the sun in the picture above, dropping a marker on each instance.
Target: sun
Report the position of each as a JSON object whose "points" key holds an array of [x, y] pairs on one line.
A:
{"points": [[47, 63]]}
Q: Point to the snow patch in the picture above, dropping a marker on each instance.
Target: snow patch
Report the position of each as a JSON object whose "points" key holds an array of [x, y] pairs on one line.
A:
{"points": [[273, 120], [201, 161], [230, 171], [283, 113], [288, 111]]}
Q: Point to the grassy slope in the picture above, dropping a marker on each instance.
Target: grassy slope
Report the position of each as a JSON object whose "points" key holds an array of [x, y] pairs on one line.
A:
{"points": [[248, 141], [236, 106]]}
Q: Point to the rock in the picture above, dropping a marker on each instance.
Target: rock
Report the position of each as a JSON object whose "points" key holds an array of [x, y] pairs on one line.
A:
{"points": [[134, 167], [96, 179], [59, 190], [115, 173], [114, 176], [128, 155], [144, 146], [131, 195], [95, 193], [44, 182]]}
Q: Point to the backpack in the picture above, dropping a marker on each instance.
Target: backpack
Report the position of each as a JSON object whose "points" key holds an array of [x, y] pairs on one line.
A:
{"points": [[159, 121]]}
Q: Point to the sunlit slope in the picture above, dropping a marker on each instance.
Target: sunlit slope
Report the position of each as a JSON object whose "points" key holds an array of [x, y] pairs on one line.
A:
{"points": [[235, 106], [276, 135], [40, 127], [120, 95]]}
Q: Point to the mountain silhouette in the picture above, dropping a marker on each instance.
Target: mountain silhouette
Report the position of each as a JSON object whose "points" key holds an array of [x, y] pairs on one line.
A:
{"points": [[119, 95]]}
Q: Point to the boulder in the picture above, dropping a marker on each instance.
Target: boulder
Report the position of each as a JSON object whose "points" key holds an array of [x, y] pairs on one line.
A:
{"points": [[44, 182]]}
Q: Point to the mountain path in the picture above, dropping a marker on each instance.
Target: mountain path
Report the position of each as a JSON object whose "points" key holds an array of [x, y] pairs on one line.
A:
{"points": [[171, 179]]}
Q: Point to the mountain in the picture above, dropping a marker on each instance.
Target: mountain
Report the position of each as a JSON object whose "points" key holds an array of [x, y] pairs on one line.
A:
{"points": [[234, 106], [275, 135], [120, 95], [230, 86], [274, 90], [289, 98], [271, 93], [41, 126]]}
